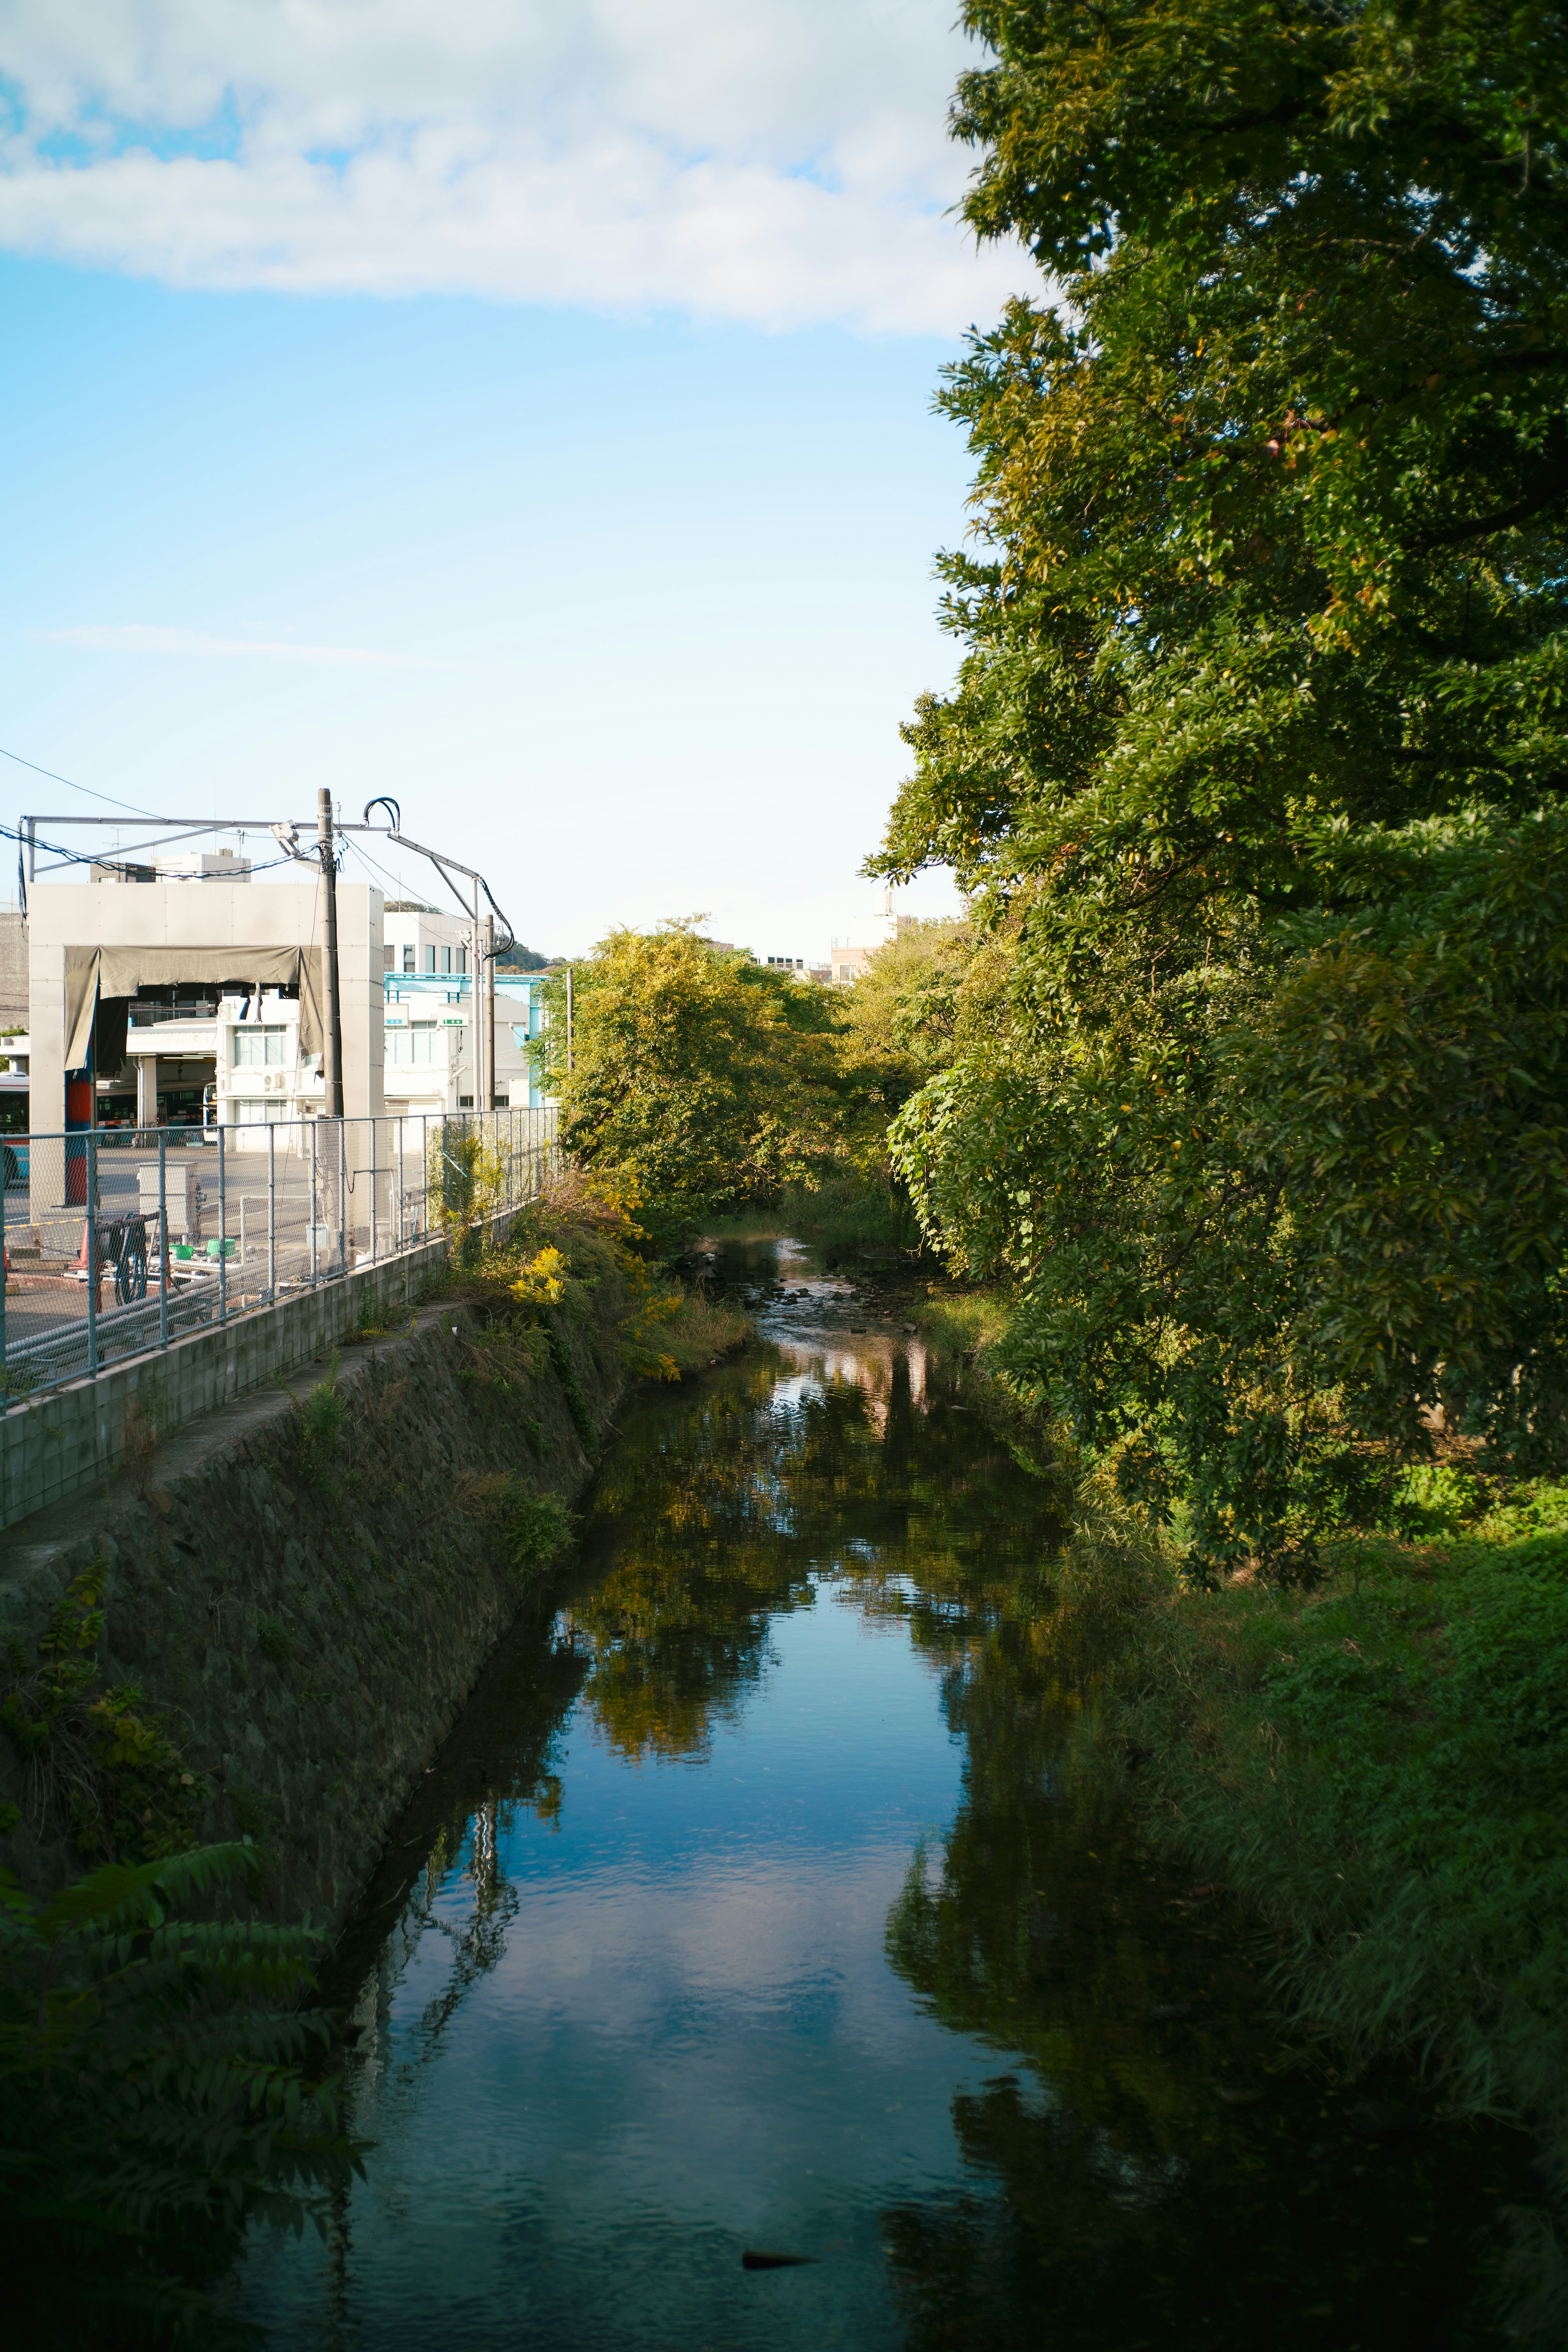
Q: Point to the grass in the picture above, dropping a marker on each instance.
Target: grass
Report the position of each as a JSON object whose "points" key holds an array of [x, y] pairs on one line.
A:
{"points": [[844, 1212], [1379, 1768], [701, 1330]]}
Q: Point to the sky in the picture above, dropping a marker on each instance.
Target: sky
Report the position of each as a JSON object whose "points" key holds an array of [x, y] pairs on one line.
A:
{"points": [[522, 410]]}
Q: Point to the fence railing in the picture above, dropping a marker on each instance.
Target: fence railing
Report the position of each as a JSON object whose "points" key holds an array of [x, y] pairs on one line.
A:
{"points": [[119, 1240]]}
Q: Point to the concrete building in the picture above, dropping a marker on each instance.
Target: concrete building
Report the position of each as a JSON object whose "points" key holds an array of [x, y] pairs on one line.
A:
{"points": [[13, 968], [429, 1064], [851, 958], [425, 942], [172, 989]]}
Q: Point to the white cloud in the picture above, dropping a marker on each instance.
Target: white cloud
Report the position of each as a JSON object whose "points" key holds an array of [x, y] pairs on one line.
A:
{"points": [[136, 637], [779, 161]]}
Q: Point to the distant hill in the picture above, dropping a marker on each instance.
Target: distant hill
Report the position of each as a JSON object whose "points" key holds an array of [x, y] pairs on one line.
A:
{"points": [[521, 959]]}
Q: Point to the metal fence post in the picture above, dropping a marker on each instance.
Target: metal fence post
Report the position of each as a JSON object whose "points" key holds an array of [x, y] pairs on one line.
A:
{"points": [[272, 1211], [162, 1238], [342, 1196], [222, 1232], [314, 1178], [91, 1249], [372, 1188], [401, 1236]]}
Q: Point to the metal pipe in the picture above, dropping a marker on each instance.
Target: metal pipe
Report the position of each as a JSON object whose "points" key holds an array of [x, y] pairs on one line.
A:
{"points": [[272, 1212], [314, 1200], [332, 1044], [490, 1013], [91, 1249], [162, 1238], [222, 1232]]}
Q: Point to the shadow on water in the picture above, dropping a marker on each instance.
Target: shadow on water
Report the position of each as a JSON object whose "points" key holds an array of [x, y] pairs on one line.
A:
{"points": [[755, 1902]]}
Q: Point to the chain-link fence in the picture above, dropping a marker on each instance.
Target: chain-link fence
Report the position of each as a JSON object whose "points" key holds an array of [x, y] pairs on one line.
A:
{"points": [[119, 1240]]}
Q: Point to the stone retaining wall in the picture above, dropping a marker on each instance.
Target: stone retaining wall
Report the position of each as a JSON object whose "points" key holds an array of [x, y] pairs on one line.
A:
{"points": [[310, 1619]]}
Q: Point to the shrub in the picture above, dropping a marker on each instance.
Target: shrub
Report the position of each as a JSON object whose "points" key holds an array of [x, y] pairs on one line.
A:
{"points": [[151, 2100]]}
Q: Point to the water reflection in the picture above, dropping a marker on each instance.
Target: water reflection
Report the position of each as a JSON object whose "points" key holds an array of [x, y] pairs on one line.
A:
{"points": [[755, 1902]]}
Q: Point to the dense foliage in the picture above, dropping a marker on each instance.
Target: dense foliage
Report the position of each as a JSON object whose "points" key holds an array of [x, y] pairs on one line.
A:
{"points": [[699, 1078], [1257, 754], [153, 2100]]}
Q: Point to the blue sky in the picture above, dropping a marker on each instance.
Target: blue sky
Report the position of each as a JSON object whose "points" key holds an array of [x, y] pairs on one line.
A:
{"points": [[318, 474]]}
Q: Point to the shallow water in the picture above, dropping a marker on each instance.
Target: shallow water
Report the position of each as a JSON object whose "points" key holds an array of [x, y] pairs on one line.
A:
{"points": [[755, 1903]]}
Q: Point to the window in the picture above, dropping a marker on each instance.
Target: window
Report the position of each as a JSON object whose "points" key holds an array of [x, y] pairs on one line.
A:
{"points": [[259, 1114], [462, 958], [389, 959], [429, 958], [408, 959], [446, 958], [255, 1049]]}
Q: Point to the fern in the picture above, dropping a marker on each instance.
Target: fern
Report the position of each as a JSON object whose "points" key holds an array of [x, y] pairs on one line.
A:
{"points": [[155, 2096]]}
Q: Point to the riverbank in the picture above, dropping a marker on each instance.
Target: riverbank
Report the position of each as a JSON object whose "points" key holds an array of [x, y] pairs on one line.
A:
{"points": [[1377, 1767]]}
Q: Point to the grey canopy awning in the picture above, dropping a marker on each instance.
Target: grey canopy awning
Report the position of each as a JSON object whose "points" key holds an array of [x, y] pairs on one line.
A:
{"points": [[93, 972]]}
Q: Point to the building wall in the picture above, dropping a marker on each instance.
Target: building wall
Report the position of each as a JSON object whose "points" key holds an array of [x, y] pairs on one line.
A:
{"points": [[212, 913], [13, 969], [443, 1079]]}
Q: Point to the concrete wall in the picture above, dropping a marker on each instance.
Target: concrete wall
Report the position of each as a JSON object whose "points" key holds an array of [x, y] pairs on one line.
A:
{"points": [[307, 1614], [13, 969], [204, 915], [75, 1435]]}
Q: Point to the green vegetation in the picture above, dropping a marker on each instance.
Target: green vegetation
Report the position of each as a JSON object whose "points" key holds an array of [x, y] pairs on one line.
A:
{"points": [[1243, 1088], [1379, 1768], [700, 1079], [1254, 765], [95, 1756], [153, 2100]]}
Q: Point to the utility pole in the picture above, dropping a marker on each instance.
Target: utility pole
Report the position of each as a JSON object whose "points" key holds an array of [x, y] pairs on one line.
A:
{"points": [[476, 1006], [333, 1043], [490, 1013]]}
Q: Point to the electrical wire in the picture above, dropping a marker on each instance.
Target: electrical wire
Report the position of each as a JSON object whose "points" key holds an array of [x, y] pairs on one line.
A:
{"points": [[71, 786]]}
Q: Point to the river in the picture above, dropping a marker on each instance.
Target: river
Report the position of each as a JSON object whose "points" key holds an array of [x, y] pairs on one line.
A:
{"points": [[755, 1907]]}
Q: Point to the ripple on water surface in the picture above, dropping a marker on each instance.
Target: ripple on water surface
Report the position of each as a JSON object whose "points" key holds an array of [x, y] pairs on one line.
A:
{"points": [[752, 1907]]}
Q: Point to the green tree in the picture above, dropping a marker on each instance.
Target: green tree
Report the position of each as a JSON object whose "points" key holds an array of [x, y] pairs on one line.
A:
{"points": [[1260, 709], [700, 1078]]}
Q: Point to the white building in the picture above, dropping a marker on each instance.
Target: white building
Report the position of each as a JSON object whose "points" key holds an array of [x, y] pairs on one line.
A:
{"points": [[851, 958], [429, 1044], [146, 987]]}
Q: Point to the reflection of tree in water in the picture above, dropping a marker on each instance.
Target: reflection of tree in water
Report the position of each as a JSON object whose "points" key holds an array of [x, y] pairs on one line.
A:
{"points": [[717, 1514], [1119, 2198]]}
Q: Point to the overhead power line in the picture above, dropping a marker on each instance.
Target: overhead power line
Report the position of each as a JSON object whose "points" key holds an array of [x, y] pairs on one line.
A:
{"points": [[71, 783]]}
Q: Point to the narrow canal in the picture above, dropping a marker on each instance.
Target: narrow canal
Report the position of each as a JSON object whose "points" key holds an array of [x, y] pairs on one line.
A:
{"points": [[755, 1907]]}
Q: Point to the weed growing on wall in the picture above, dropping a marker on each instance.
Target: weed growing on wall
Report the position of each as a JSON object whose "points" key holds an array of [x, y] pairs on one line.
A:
{"points": [[95, 1753], [321, 1418]]}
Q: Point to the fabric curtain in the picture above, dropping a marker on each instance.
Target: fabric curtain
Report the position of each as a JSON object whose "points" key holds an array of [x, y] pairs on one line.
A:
{"points": [[95, 973]]}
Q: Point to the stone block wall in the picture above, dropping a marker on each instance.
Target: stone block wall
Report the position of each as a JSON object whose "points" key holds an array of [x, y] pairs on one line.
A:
{"points": [[310, 1620]]}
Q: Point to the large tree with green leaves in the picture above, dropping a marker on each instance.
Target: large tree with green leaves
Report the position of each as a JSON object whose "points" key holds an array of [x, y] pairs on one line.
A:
{"points": [[1258, 745], [698, 1076]]}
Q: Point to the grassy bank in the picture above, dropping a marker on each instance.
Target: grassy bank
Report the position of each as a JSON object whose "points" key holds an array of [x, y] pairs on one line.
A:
{"points": [[1376, 1765], [1379, 1768], [844, 1211], [575, 1238]]}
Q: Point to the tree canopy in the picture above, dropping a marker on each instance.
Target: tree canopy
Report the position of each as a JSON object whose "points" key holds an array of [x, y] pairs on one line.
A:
{"points": [[699, 1077], [1257, 750]]}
